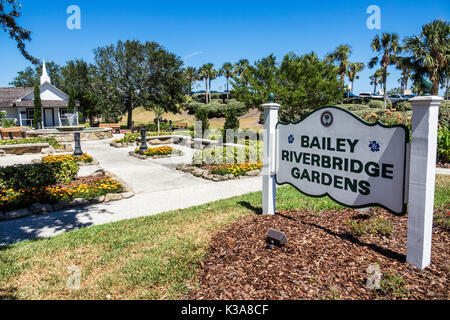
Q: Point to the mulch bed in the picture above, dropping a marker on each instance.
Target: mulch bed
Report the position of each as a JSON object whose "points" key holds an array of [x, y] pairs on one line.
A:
{"points": [[322, 260], [84, 180]]}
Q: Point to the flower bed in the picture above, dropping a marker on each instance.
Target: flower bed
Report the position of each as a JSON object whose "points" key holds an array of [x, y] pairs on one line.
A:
{"points": [[236, 169], [226, 163], [85, 158], [22, 198], [156, 153], [51, 185]]}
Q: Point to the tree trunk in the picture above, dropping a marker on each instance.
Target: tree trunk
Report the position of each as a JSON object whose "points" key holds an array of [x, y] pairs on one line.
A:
{"points": [[206, 90], [228, 90], [159, 128], [384, 86], [130, 114], [446, 91], [210, 94], [353, 82], [435, 88]]}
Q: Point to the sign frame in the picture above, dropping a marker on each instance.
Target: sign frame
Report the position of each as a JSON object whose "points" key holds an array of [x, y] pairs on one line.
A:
{"points": [[405, 181]]}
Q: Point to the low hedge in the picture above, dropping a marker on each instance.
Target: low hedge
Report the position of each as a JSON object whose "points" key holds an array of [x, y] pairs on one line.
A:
{"points": [[217, 109], [54, 169], [444, 114], [51, 141], [378, 104], [37, 175], [443, 145]]}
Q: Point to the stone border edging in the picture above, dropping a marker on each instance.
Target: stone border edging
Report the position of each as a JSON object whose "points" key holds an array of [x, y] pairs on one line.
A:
{"points": [[144, 157], [204, 174]]}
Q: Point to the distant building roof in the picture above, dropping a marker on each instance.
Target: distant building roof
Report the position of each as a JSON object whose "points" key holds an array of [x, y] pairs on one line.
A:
{"points": [[9, 95]]}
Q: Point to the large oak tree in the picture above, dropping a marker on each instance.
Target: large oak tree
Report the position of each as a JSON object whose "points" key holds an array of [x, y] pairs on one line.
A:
{"points": [[133, 74]]}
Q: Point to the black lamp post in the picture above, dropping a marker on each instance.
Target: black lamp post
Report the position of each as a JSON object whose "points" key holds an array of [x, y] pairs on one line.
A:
{"points": [[77, 152], [144, 146]]}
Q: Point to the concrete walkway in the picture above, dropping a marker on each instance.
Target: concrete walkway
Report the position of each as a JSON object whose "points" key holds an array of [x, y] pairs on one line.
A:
{"points": [[158, 187], [442, 171]]}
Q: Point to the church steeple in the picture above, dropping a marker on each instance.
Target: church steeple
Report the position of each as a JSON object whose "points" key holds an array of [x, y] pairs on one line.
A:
{"points": [[44, 78]]}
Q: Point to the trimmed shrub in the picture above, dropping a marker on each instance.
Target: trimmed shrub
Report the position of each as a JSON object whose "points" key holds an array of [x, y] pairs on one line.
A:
{"points": [[231, 119], [38, 174], [65, 171], [154, 127], [194, 106], [217, 109], [443, 147], [378, 104], [444, 114], [402, 106], [240, 107], [8, 123], [27, 176], [228, 155], [202, 115]]}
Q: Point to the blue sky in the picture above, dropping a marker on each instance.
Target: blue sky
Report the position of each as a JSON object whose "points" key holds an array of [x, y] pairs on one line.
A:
{"points": [[221, 30]]}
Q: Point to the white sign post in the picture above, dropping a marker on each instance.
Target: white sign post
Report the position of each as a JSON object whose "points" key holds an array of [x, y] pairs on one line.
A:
{"points": [[422, 179], [269, 156]]}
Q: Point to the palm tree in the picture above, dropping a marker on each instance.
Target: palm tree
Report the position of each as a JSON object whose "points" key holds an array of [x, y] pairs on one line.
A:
{"points": [[213, 74], [340, 56], [431, 51], [159, 111], [376, 79], [353, 69], [387, 46], [203, 74], [447, 75], [240, 70], [191, 76], [404, 64], [227, 72]]}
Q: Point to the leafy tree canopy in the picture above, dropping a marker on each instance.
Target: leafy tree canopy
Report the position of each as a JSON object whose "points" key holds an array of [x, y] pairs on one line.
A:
{"points": [[132, 74], [10, 10], [300, 84]]}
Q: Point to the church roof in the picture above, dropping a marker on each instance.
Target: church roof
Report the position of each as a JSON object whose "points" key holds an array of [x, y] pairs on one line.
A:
{"points": [[9, 95], [45, 103], [22, 97]]}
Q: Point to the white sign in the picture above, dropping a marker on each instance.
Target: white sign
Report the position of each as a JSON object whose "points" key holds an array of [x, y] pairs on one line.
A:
{"points": [[334, 153]]}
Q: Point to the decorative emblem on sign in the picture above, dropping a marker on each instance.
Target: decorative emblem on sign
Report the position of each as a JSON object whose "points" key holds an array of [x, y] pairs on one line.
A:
{"points": [[327, 119], [374, 146], [291, 139]]}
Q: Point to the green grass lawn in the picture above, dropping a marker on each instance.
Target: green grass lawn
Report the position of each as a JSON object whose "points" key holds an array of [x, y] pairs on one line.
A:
{"points": [[147, 258]]}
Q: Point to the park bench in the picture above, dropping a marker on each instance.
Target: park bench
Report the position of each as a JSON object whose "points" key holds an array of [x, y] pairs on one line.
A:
{"points": [[114, 126], [13, 132], [180, 125]]}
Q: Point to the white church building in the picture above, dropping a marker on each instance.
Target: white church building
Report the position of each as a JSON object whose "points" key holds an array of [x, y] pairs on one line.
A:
{"points": [[19, 104]]}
